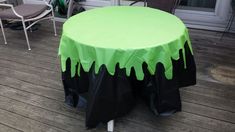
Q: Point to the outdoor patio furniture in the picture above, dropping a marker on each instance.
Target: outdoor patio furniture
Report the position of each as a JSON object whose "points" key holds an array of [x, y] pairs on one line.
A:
{"points": [[136, 1], [30, 13], [165, 5], [74, 8], [140, 51]]}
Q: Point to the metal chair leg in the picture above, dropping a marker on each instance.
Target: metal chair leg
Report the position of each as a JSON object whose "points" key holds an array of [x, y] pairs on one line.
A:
{"points": [[70, 9], [53, 20], [145, 3], [176, 4], [3, 33], [231, 23], [30, 29], [26, 35], [227, 28], [118, 2]]}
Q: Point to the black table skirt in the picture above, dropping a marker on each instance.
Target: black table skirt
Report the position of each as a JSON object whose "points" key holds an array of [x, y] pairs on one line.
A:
{"points": [[109, 97]]}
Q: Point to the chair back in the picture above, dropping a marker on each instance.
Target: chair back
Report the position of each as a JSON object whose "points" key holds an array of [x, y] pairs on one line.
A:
{"points": [[165, 5]]}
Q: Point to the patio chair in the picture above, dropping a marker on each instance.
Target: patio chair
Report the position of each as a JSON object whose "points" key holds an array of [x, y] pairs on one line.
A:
{"points": [[165, 5], [30, 13]]}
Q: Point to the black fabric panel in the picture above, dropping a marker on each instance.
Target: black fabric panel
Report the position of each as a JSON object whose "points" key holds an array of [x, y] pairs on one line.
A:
{"points": [[185, 77], [110, 97], [74, 86], [161, 94]]}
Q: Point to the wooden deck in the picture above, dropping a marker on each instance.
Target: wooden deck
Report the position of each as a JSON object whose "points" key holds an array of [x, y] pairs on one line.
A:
{"points": [[32, 98]]}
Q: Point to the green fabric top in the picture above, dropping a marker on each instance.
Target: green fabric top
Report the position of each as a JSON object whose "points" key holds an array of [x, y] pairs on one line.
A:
{"points": [[123, 34]]}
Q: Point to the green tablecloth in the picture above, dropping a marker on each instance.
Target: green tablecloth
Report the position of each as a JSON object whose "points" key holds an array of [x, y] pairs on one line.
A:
{"points": [[126, 35]]}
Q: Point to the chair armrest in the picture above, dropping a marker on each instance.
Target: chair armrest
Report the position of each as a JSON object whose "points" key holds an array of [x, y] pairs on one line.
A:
{"points": [[12, 8], [48, 4]]}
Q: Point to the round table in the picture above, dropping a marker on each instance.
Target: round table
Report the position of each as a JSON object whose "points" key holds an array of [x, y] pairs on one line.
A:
{"points": [[143, 46]]}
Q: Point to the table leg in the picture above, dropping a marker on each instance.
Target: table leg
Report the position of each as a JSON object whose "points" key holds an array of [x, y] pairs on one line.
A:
{"points": [[110, 126]]}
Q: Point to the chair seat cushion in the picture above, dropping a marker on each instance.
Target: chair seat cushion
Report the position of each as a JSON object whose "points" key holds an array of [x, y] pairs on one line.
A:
{"points": [[25, 10]]}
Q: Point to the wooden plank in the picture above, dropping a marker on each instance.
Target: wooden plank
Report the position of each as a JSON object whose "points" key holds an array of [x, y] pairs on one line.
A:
{"points": [[213, 40], [209, 46], [43, 64], [209, 112], [42, 48], [25, 124], [212, 92], [213, 102], [124, 125], [4, 128], [31, 78], [215, 36], [43, 73], [30, 55], [213, 60], [220, 87], [31, 88]]}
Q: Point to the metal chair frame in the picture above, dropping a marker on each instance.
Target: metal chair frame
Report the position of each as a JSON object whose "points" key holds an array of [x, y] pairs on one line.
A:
{"points": [[145, 2], [177, 2]]}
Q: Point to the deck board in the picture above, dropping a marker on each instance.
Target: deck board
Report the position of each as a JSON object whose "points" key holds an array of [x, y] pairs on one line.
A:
{"points": [[32, 98], [5, 128]]}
